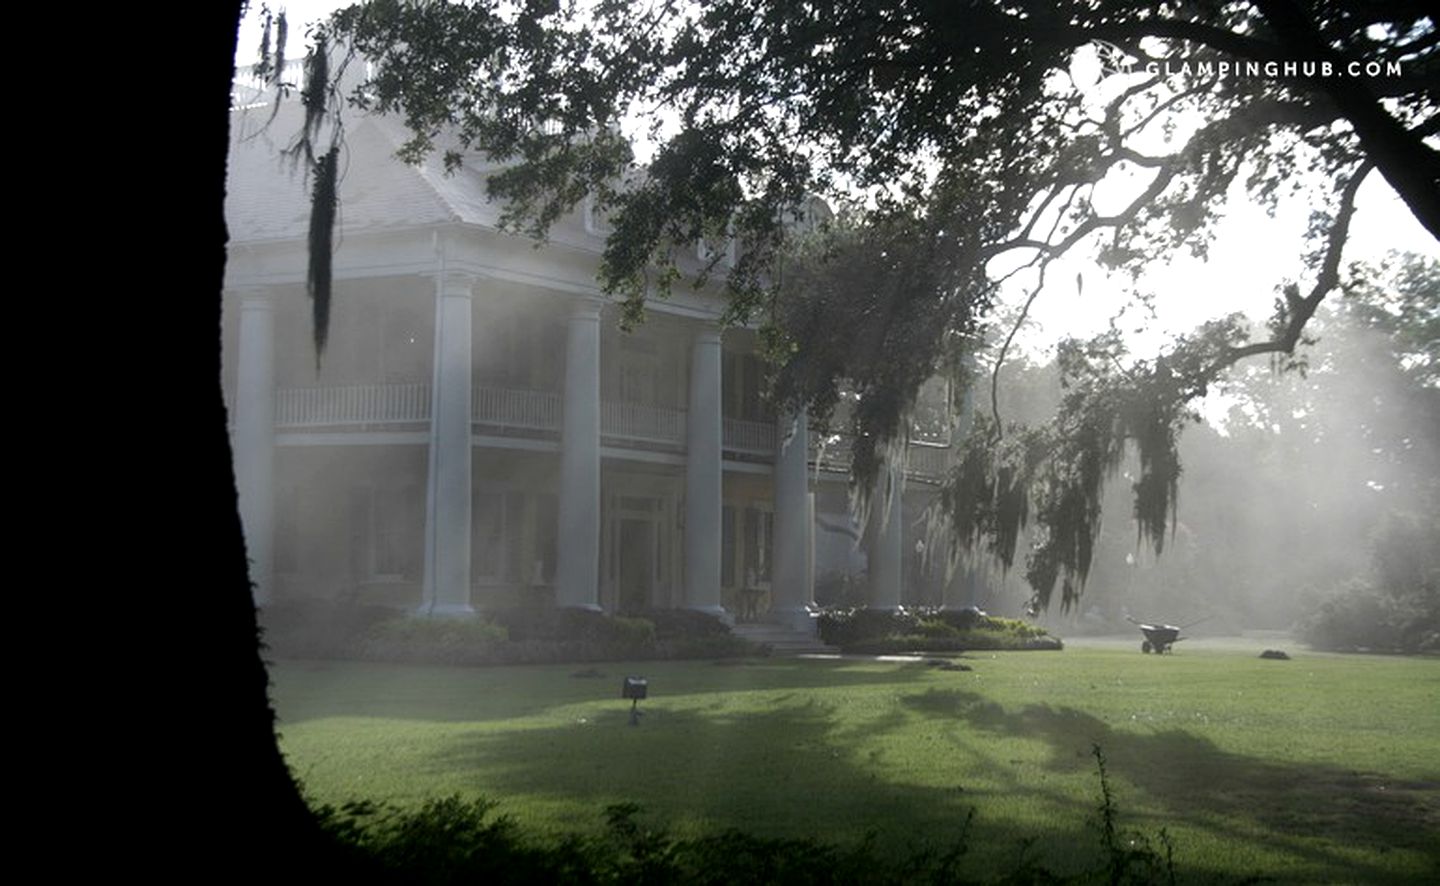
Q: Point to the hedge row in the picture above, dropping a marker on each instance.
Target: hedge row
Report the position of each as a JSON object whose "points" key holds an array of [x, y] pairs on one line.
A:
{"points": [[877, 632], [326, 629]]}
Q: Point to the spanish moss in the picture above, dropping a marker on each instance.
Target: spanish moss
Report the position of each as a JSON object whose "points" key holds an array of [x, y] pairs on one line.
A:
{"points": [[282, 29], [322, 233], [1050, 481], [315, 95], [262, 68]]}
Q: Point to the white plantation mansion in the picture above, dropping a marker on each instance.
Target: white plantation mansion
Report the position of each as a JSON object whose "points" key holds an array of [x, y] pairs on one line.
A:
{"points": [[480, 433]]}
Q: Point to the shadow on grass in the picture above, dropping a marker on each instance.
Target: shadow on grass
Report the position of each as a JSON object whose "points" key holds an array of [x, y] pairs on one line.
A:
{"points": [[784, 772], [1189, 776], [794, 768], [312, 690]]}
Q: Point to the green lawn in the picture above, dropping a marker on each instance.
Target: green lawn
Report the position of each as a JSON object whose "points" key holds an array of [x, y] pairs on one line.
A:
{"points": [[1325, 768]]}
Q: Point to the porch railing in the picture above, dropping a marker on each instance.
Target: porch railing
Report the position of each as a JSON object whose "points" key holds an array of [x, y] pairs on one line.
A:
{"points": [[543, 412], [927, 462], [642, 424], [352, 405], [754, 437], [922, 462], [519, 410]]}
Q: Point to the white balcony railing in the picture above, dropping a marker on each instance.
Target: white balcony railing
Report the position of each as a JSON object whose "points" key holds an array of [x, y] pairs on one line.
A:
{"points": [[518, 410], [352, 405], [543, 412], [753, 437], [927, 462], [922, 462], [643, 424]]}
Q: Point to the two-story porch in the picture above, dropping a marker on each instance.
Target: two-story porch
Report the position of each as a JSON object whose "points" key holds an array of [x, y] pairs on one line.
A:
{"points": [[479, 431]]}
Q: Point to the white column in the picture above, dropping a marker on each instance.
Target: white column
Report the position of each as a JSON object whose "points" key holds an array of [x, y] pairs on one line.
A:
{"points": [[791, 592], [255, 436], [702, 476], [447, 582], [887, 556], [577, 572]]}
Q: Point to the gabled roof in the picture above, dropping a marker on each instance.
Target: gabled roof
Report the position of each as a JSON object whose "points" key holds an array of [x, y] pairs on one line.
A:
{"points": [[268, 197]]}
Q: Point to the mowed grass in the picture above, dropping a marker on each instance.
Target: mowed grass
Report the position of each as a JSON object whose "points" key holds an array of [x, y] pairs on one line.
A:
{"points": [[1324, 768]]}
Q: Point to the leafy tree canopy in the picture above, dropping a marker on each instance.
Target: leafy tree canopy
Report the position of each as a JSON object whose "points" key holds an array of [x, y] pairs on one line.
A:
{"points": [[949, 135]]}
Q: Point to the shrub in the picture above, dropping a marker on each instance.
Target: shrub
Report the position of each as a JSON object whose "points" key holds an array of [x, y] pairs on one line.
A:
{"points": [[673, 624], [569, 625], [878, 632], [433, 640], [1398, 608], [846, 627], [519, 635], [1359, 618], [453, 840], [936, 628], [311, 627]]}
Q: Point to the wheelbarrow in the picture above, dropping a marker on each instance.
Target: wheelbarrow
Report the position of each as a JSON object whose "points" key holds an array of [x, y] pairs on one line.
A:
{"points": [[1159, 638]]}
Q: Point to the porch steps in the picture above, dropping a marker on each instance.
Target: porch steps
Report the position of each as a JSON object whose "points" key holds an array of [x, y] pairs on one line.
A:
{"points": [[782, 640]]}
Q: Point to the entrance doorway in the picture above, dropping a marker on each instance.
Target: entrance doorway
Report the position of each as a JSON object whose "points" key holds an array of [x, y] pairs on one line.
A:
{"points": [[636, 547]]}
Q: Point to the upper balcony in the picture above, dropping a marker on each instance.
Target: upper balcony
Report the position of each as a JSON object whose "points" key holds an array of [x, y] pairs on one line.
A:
{"points": [[526, 414]]}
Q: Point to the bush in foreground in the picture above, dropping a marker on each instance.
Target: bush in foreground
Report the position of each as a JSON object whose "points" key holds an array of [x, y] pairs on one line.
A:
{"points": [[457, 841]]}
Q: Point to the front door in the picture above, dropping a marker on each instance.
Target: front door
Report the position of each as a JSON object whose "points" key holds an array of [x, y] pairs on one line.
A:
{"points": [[636, 552]]}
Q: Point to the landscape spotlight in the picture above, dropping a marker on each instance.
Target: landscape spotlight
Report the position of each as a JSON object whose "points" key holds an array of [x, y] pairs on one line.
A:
{"points": [[634, 688]]}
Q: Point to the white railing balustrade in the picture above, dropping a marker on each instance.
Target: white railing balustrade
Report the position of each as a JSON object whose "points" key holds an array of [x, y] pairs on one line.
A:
{"points": [[749, 436], [519, 410], [352, 405], [927, 462], [649, 424], [543, 411], [922, 462]]}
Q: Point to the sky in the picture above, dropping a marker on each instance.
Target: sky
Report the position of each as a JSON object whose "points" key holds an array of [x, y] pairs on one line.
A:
{"points": [[1251, 255]]}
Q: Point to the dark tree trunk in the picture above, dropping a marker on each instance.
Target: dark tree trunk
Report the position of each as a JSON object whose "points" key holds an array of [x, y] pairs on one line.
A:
{"points": [[235, 809]]}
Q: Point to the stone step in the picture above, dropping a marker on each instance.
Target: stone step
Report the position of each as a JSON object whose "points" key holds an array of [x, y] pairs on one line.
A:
{"points": [[782, 640]]}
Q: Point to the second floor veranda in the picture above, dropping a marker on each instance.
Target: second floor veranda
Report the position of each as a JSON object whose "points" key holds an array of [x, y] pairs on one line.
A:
{"points": [[501, 412]]}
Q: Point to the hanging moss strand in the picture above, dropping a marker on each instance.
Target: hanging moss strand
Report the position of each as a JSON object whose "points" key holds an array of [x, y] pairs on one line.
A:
{"points": [[322, 234]]}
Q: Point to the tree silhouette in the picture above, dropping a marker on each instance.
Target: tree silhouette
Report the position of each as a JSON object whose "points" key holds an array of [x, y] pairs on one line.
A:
{"points": [[226, 800]]}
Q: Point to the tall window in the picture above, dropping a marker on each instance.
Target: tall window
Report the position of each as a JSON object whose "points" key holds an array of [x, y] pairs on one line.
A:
{"points": [[547, 526], [497, 537], [384, 532], [487, 548], [759, 529], [391, 554], [727, 546]]}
